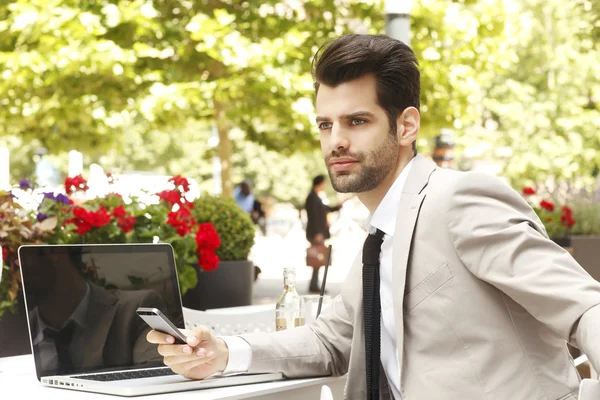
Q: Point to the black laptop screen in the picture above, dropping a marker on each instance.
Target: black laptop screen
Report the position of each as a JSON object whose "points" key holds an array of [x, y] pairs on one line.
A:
{"points": [[81, 304]]}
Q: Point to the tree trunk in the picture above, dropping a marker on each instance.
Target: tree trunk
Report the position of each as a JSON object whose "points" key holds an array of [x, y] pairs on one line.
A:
{"points": [[224, 150]]}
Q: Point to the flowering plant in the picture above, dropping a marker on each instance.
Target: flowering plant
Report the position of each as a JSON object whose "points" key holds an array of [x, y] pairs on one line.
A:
{"points": [[107, 219], [16, 228], [558, 220]]}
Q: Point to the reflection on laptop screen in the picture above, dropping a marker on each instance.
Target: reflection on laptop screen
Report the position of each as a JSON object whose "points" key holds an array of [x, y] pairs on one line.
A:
{"points": [[81, 302]]}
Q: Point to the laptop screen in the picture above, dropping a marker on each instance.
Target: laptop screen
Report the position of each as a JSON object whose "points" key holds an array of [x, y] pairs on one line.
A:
{"points": [[81, 304]]}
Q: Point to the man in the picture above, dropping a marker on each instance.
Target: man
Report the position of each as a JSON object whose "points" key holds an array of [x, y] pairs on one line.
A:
{"points": [[317, 228], [243, 196], [476, 301]]}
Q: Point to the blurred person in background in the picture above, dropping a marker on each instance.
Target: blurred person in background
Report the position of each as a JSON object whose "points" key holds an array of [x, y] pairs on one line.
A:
{"points": [[317, 229], [244, 197]]}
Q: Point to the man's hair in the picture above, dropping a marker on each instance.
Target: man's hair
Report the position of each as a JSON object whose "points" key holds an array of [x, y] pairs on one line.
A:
{"points": [[318, 180], [393, 63]]}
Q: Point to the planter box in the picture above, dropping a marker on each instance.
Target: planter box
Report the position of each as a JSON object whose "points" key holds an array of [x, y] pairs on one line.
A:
{"points": [[230, 285], [586, 250], [14, 332]]}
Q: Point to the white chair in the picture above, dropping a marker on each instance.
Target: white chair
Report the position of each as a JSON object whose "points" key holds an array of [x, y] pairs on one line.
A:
{"points": [[233, 321], [326, 393], [589, 389]]}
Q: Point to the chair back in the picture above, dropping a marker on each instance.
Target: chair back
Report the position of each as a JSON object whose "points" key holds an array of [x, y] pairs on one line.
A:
{"points": [[232, 322], [589, 389], [326, 393]]}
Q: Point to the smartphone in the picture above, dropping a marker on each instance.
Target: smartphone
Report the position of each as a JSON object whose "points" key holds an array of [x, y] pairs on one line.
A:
{"points": [[159, 322]]}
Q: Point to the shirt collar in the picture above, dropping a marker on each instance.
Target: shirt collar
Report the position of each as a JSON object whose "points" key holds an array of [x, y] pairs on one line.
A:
{"points": [[384, 217]]}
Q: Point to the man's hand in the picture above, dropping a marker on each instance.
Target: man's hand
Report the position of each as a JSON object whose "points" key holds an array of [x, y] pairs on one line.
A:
{"points": [[203, 355]]}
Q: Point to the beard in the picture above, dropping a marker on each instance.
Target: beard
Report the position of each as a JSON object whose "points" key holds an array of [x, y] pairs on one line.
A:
{"points": [[374, 167]]}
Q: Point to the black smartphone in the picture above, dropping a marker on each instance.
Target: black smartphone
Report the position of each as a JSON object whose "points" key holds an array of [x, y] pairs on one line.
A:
{"points": [[159, 322]]}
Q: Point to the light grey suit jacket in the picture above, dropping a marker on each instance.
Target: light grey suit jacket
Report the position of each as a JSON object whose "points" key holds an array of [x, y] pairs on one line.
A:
{"points": [[483, 300]]}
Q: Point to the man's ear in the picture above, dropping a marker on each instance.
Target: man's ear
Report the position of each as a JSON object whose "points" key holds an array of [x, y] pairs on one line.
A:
{"points": [[408, 124]]}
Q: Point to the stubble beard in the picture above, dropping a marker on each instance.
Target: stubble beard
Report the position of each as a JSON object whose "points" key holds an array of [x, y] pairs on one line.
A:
{"points": [[374, 167]]}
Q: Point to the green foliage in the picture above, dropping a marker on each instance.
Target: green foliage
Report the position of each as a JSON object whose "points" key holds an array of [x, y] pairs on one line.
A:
{"points": [[544, 102], [276, 176], [236, 229], [124, 81], [81, 74]]}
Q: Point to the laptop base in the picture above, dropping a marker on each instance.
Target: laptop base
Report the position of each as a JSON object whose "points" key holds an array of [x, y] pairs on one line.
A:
{"points": [[155, 385]]}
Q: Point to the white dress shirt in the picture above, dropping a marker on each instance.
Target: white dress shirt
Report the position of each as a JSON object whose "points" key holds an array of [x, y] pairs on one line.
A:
{"points": [[384, 219]]}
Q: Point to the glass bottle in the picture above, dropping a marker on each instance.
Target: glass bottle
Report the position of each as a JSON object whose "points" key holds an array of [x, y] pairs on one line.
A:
{"points": [[289, 311]]}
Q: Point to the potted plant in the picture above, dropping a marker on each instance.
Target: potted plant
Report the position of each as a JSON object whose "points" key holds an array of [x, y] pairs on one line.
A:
{"points": [[558, 220], [230, 284], [17, 227], [68, 218], [575, 227]]}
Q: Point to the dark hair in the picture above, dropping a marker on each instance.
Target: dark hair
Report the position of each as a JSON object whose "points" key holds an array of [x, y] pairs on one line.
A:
{"points": [[393, 63], [318, 180]]}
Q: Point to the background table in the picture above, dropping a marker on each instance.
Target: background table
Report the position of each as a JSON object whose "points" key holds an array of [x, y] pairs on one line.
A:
{"points": [[17, 377]]}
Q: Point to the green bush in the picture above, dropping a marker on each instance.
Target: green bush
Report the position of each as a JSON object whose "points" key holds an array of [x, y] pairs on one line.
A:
{"points": [[236, 229]]}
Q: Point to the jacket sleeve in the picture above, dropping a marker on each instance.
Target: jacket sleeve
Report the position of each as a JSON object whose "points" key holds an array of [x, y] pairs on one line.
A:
{"points": [[319, 349], [500, 239]]}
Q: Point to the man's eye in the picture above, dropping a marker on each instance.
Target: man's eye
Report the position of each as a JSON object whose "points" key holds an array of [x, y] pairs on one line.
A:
{"points": [[325, 125], [357, 121]]}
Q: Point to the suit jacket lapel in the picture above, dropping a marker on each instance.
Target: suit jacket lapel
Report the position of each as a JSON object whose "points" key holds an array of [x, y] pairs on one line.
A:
{"points": [[410, 204]]}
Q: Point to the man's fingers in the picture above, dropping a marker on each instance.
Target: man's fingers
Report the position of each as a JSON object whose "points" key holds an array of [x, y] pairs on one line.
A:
{"points": [[198, 335], [200, 357], [196, 369], [157, 337]]}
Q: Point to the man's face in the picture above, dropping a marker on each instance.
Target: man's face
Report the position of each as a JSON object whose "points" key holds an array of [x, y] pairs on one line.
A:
{"points": [[358, 148]]}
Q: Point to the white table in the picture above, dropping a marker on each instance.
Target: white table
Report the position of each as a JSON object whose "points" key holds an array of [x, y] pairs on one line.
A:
{"points": [[17, 377]]}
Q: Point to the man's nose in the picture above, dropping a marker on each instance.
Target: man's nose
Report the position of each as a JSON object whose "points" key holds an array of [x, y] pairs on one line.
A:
{"points": [[339, 137]]}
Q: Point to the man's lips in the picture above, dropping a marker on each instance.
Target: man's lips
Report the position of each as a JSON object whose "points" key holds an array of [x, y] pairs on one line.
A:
{"points": [[343, 164]]}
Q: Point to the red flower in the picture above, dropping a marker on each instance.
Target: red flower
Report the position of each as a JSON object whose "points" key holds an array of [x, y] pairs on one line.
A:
{"points": [[170, 196], [528, 191], [75, 183], [181, 220], [547, 205], [182, 182], [85, 220], [567, 211], [549, 219], [127, 223], [208, 260], [4, 253], [567, 220], [119, 212], [207, 237], [99, 218]]}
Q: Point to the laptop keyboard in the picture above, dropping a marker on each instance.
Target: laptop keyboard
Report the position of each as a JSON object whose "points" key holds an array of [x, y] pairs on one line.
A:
{"points": [[117, 376]]}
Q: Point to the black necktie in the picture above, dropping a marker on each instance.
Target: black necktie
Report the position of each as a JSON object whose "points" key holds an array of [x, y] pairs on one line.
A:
{"points": [[372, 312], [62, 340]]}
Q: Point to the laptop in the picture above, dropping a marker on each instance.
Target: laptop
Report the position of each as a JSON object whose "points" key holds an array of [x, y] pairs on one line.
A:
{"points": [[81, 303]]}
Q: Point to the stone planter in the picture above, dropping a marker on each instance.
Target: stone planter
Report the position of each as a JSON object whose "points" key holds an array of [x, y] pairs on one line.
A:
{"points": [[230, 285], [14, 332]]}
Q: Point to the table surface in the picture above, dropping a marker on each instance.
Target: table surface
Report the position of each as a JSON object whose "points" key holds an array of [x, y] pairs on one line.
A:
{"points": [[17, 376]]}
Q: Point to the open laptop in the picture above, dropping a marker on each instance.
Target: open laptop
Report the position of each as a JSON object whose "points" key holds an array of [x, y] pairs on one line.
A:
{"points": [[85, 334]]}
